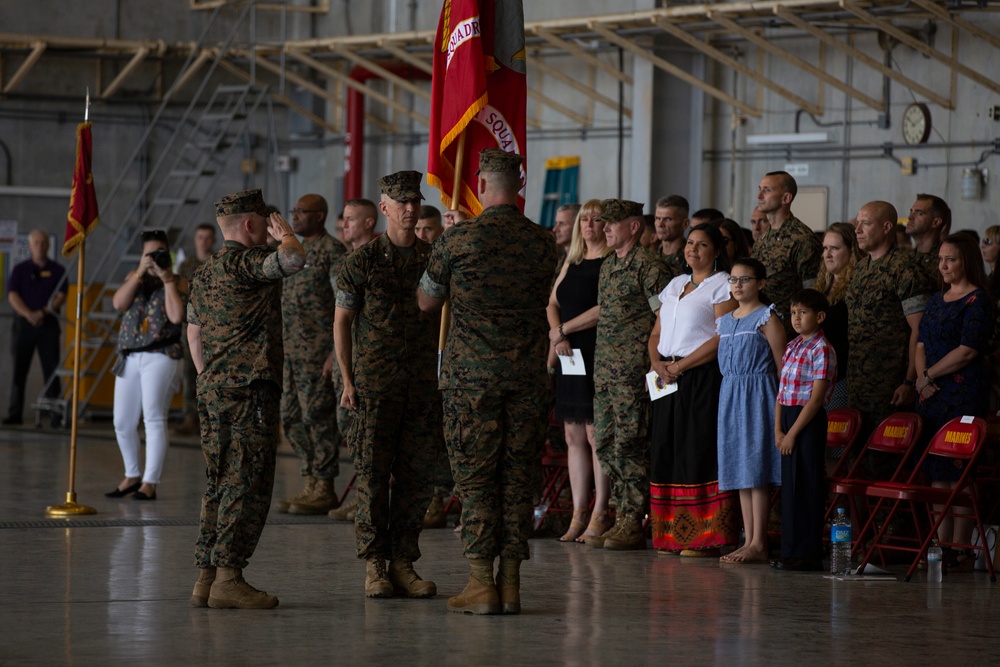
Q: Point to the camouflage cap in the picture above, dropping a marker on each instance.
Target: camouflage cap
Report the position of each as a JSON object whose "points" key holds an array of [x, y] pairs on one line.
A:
{"points": [[498, 160], [619, 209], [248, 201], [402, 186]]}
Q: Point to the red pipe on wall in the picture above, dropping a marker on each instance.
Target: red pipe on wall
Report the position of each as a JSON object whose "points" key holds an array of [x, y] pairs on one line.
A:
{"points": [[354, 155]]}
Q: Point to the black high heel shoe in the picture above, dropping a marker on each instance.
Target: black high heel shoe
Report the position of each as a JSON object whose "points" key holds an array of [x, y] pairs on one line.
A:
{"points": [[121, 493]]}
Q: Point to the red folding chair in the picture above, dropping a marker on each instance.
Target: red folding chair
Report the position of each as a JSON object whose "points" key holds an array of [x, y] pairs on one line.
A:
{"points": [[895, 436], [555, 479], [843, 425], [988, 474], [961, 438]]}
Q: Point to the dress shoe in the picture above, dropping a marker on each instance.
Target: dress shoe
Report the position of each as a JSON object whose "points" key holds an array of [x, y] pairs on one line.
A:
{"points": [[121, 493], [798, 565], [139, 495]]}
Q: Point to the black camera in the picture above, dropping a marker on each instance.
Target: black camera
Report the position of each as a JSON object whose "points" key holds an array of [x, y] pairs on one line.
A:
{"points": [[162, 258]]}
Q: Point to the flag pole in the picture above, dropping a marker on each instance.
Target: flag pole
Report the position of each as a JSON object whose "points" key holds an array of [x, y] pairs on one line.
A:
{"points": [[70, 507], [456, 198]]}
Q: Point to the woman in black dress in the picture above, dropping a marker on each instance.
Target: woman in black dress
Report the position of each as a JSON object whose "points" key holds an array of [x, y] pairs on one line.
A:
{"points": [[572, 314]]}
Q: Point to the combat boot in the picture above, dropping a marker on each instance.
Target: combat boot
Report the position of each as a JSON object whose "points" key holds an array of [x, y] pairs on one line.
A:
{"points": [[202, 587], [509, 585], [597, 541], [407, 583], [345, 512], [283, 505], [231, 591], [630, 537], [435, 517], [377, 584], [322, 499], [480, 595]]}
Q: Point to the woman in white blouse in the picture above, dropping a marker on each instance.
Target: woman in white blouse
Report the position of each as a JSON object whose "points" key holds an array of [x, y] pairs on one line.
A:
{"points": [[690, 516]]}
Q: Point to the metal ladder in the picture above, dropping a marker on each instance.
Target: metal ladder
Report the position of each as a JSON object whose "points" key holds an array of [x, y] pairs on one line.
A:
{"points": [[171, 197]]}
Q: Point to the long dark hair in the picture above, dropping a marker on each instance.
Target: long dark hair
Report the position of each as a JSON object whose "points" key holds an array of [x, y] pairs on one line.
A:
{"points": [[736, 234], [717, 241], [972, 259]]}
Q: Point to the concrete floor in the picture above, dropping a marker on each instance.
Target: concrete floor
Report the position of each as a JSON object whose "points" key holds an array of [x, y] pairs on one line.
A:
{"points": [[114, 588]]}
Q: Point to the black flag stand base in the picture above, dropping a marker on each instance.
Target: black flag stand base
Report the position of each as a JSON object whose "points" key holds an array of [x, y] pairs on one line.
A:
{"points": [[69, 508]]}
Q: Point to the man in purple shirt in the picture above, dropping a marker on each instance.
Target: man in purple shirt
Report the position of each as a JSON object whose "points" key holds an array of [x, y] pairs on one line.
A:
{"points": [[36, 291]]}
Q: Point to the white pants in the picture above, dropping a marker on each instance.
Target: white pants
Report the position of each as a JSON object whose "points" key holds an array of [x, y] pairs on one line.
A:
{"points": [[145, 389]]}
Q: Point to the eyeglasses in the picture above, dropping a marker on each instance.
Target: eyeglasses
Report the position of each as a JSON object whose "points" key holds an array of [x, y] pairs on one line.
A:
{"points": [[742, 280], [300, 211]]}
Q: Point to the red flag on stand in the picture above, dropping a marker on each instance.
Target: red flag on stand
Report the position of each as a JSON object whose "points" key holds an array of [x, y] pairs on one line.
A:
{"points": [[82, 217], [480, 87]]}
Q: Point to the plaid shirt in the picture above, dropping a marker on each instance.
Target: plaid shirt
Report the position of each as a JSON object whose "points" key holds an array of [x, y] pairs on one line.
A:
{"points": [[806, 361]]}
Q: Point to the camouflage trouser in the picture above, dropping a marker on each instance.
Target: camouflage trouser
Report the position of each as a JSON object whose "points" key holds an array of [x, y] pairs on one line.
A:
{"points": [[190, 377], [494, 439], [345, 417], [239, 437], [398, 438], [441, 479], [307, 406], [621, 439]]}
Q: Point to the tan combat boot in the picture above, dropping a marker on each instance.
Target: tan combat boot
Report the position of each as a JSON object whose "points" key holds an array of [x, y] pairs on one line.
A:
{"points": [[630, 536], [322, 499], [231, 591], [202, 587], [345, 512], [407, 583], [283, 505], [509, 585], [435, 516], [480, 595], [597, 541], [377, 584]]}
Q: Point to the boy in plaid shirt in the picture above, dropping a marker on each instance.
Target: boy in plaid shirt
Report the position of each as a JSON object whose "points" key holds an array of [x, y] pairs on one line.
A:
{"points": [[808, 372]]}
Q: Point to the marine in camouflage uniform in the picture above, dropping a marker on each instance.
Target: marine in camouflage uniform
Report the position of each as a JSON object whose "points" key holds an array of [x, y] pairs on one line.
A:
{"points": [[881, 295], [308, 399], [236, 342], [928, 263], [497, 270], [389, 369], [628, 295], [189, 373], [792, 256]]}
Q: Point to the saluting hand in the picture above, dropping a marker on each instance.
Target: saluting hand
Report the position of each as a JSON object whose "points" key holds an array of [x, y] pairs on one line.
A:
{"points": [[277, 226]]}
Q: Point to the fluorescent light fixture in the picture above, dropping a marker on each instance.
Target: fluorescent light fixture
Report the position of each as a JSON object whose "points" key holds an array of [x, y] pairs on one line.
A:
{"points": [[790, 138]]}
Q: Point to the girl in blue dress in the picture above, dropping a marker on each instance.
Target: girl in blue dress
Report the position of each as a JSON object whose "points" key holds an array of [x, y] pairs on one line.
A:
{"points": [[751, 344]]}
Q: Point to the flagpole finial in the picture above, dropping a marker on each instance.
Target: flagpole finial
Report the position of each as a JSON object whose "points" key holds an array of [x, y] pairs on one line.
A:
{"points": [[86, 110]]}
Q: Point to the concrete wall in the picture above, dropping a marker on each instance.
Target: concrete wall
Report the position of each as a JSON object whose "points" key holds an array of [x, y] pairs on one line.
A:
{"points": [[858, 171]]}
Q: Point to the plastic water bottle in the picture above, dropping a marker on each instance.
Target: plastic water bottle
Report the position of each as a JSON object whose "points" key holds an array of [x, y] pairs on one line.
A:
{"points": [[840, 540], [934, 557], [540, 511]]}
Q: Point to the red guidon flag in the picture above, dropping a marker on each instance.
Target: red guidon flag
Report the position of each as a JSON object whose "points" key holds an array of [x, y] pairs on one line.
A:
{"points": [[82, 217], [479, 87]]}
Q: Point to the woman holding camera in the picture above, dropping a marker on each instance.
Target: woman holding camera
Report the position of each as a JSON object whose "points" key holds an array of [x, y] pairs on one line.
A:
{"points": [[148, 364]]}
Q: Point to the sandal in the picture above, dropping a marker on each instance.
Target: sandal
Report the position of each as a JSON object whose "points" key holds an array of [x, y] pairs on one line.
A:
{"points": [[576, 527], [959, 560], [600, 523]]}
